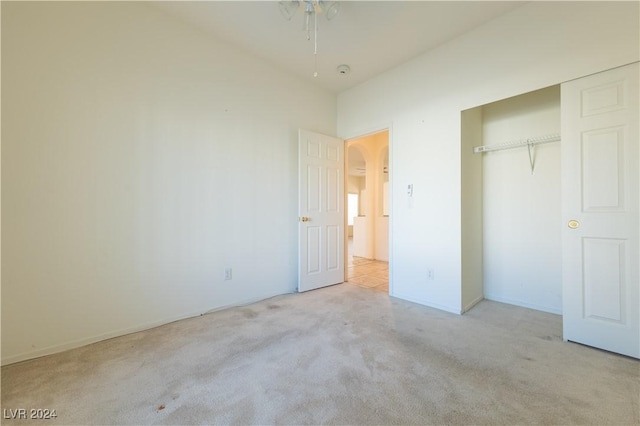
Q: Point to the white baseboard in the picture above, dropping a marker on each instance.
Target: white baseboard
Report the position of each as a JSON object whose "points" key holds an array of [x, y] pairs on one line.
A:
{"points": [[524, 304], [24, 356], [93, 339], [427, 303], [472, 304]]}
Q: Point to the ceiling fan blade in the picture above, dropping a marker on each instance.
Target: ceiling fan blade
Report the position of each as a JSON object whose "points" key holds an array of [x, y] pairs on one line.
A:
{"points": [[288, 8], [332, 10]]}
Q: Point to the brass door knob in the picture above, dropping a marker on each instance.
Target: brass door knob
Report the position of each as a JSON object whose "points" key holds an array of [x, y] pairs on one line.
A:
{"points": [[573, 224], [304, 219]]}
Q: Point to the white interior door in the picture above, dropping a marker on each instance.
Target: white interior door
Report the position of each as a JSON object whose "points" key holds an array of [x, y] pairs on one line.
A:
{"points": [[321, 211], [600, 194]]}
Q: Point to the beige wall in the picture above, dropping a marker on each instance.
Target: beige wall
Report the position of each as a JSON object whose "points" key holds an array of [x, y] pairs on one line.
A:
{"points": [[355, 184], [471, 205], [139, 159]]}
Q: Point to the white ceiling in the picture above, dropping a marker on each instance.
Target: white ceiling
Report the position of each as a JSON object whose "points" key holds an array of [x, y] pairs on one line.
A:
{"points": [[370, 36]]}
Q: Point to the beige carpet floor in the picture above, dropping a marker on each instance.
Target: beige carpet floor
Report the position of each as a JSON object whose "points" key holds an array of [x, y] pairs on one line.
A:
{"points": [[340, 355]]}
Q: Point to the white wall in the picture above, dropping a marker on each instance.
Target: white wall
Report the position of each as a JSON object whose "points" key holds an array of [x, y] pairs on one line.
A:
{"points": [[140, 158], [382, 239], [537, 45], [362, 238], [522, 212]]}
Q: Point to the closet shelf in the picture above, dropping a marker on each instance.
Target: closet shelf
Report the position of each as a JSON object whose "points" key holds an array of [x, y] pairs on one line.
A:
{"points": [[518, 143]]}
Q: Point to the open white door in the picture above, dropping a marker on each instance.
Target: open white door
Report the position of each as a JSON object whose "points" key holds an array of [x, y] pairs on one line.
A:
{"points": [[321, 211], [600, 193]]}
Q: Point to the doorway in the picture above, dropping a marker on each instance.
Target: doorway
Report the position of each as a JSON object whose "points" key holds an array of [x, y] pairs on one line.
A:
{"points": [[367, 219], [519, 201]]}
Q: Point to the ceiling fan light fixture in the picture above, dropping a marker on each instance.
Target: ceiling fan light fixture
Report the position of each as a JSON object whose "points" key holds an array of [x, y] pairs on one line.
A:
{"points": [[312, 8], [309, 7]]}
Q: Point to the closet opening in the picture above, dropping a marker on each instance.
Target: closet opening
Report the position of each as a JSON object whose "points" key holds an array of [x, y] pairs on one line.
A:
{"points": [[511, 202], [553, 225]]}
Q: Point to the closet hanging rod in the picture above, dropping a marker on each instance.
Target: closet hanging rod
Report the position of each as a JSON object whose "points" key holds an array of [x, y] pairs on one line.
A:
{"points": [[517, 143]]}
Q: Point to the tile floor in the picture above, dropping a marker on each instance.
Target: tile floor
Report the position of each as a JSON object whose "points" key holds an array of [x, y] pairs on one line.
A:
{"points": [[366, 273]]}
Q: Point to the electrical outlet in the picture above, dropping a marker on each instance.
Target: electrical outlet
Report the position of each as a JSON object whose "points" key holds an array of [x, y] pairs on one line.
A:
{"points": [[430, 274], [227, 274]]}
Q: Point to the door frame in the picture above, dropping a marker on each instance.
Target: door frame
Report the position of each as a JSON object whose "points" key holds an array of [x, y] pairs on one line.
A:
{"points": [[388, 127]]}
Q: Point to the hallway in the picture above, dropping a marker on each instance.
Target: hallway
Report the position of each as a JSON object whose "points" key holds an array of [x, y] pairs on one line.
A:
{"points": [[367, 273]]}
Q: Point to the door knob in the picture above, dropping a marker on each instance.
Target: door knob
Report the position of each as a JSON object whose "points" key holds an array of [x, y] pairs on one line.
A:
{"points": [[573, 224], [304, 219]]}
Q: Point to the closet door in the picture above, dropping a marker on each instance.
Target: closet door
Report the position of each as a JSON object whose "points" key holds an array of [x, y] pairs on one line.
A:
{"points": [[600, 195]]}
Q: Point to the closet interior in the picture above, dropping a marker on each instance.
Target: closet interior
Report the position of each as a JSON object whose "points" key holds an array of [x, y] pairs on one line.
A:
{"points": [[511, 202]]}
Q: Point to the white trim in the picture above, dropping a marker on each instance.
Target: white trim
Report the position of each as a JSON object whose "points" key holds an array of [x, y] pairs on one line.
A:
{"points": [[369, 131], [50, 350], [390, 198], [423, 302], [472, 304], [528, 305]]}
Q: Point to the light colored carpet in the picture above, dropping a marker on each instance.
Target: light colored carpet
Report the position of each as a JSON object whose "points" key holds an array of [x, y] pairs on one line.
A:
{"points": [[340, 355]]}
